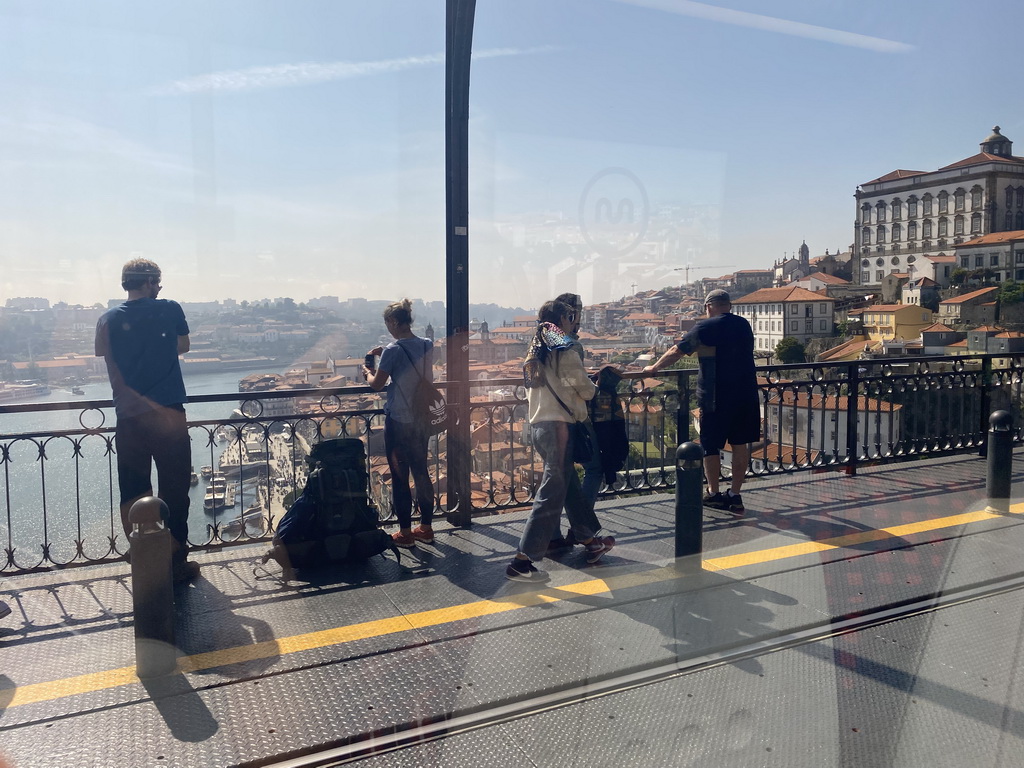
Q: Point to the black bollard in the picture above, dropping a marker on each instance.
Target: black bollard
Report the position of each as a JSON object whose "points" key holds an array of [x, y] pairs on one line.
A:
{"points": [[1000, 460], [152, 588], [689, 508]]}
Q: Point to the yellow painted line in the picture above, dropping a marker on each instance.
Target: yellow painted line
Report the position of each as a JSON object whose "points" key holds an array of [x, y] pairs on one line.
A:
{"points": [[113, 678]]}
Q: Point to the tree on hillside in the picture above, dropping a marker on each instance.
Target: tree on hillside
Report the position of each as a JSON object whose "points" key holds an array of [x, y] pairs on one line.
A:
{"points": [[789, 350]]}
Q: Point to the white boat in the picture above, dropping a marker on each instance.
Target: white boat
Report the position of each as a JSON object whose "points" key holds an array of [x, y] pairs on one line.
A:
{"points": [[252, 516], [206, 472], [219, 497]]}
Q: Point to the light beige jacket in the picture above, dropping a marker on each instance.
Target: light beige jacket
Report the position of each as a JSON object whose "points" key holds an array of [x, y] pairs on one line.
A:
{"points": [[564, 371]]}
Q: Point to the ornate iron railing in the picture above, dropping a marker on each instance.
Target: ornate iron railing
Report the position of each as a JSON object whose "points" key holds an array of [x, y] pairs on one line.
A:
{"points": [[60, 502]]}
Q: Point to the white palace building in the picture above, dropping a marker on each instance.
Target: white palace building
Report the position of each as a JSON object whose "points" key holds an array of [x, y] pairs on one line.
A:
{"points": [[906, 217]]}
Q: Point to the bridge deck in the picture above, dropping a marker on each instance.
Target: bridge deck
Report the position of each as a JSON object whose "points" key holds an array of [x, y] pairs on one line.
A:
{"points": [[441, 658]]}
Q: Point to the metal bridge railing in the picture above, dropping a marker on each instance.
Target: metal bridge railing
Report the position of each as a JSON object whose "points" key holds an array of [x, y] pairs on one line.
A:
{"points": [[60, 499]]}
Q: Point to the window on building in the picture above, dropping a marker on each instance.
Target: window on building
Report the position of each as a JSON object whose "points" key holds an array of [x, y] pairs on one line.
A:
{"points": [[993, 260], [865, 236], [1009, 197], [926, 228], [865, 263], [912, 231], [823, 308], [793, 309], [912, 208], [880, 234], [821, 325], [865, 214], [879, 274], [897, 209], [794, 325], [943, 227], [1018, 257], [958, 225], [1020, 196], [926, 204], [879, 262], [943, 201], [1020, 220], [865, 276], [879, 212], [979, 261], [965, 262], [975, 223], [958, 199], [897, 233], [1008, 221], [976, 199], [1020, 275]]}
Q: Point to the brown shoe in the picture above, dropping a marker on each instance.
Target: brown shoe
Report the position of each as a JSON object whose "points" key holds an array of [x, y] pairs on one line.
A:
{"points": [[423, 535], [404, 540]]}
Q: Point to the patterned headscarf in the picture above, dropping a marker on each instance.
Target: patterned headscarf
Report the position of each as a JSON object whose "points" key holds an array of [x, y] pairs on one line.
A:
{"points": [[549, 338]]}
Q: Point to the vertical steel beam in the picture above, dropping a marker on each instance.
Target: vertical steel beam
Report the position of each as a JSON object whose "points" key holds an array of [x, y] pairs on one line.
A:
{"points": [[458, 52]]}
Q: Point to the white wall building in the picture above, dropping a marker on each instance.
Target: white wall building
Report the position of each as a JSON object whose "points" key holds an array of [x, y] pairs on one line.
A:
{"points": [[774, 313], [905, 215]]}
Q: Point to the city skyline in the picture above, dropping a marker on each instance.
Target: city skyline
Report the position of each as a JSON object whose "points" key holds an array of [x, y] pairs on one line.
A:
{"points": [[258, 151]]}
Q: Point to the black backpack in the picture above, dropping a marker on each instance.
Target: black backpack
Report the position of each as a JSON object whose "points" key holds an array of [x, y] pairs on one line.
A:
{"points": [[333, 521]]}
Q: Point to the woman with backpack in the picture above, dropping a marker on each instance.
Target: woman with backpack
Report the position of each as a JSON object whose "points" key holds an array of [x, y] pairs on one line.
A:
{"points": [[557, 390], [403, 363]]}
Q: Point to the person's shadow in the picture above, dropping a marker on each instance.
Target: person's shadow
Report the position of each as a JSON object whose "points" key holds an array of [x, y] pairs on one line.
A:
{"points": [[207, 623]]}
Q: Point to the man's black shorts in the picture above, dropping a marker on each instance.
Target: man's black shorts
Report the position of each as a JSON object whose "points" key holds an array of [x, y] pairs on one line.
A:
{"points": [[737, 423]]}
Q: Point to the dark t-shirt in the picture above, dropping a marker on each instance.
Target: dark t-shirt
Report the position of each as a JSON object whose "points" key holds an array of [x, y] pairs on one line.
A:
{"points": [[725, 354], [140, 338]]}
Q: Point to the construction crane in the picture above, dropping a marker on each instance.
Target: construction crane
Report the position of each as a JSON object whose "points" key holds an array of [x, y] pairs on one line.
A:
{"points": [[686, 270]]}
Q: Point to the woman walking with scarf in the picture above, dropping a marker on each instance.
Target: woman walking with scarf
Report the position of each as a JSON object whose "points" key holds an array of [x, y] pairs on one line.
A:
{"points": [[557, 390]]}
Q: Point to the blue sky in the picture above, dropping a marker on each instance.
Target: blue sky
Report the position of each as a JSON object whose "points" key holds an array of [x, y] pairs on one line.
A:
{"points": [[262, 149]]}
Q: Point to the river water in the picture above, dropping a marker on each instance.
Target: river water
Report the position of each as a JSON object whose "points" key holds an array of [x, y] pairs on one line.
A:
{"points": [[48, 496]]}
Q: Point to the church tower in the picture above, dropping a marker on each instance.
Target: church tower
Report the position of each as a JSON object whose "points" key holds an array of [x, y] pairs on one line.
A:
{"points": [[997, 144]]}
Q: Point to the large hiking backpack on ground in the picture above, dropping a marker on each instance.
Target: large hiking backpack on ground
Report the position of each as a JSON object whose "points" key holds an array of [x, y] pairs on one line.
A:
{"points": [[333, 521]]}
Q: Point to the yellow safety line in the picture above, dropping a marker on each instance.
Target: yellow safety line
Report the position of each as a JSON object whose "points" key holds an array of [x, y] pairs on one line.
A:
{"points": [[97, 681]]}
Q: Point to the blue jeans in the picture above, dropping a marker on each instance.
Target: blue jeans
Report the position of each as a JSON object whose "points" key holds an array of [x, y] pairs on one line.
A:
{"points": [[559, 486]]}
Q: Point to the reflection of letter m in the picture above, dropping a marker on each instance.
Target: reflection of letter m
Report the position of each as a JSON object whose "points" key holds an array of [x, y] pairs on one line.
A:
{"points": [[603, 211]]}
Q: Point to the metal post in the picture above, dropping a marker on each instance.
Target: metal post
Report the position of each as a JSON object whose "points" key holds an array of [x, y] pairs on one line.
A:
{"points": [[999, 461], [152, 588], [852, 417], [458, 53], [689, 508]]}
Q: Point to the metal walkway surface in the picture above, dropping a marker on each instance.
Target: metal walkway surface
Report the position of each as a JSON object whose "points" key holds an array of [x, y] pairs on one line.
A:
{"points": [[848, 621]]}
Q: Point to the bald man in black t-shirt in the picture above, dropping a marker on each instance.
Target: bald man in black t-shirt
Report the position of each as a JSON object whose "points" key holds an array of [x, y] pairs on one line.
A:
{"points": [[726, 394]]}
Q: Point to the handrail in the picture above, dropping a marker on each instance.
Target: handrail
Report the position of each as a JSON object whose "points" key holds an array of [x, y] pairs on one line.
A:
{"points": [[59, 498]]}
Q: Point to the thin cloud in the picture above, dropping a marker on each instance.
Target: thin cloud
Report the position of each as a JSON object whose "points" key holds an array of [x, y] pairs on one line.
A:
{"points": [[772, 24], [311, 73]]}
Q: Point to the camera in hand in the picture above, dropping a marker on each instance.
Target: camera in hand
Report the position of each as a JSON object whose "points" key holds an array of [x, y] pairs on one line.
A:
{"points": [[369, 362]]}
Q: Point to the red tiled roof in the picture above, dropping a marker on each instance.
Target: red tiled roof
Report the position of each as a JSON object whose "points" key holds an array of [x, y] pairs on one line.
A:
{"points": [[895, 176], [783, 294], [827, 278], [936, 328], [941, 258], [982, 157], [968, 296], [995, 237]]}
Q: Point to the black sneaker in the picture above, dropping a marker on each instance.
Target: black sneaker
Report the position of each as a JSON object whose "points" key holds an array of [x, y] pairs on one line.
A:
{"points": [[184, 570], [558, 543], [735, 502], [524, 570], [599, 547], [715, 500]]}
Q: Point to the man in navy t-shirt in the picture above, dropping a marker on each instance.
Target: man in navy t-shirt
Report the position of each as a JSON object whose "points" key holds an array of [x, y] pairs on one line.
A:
{"points": [[140, 340], [726, 393]]}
